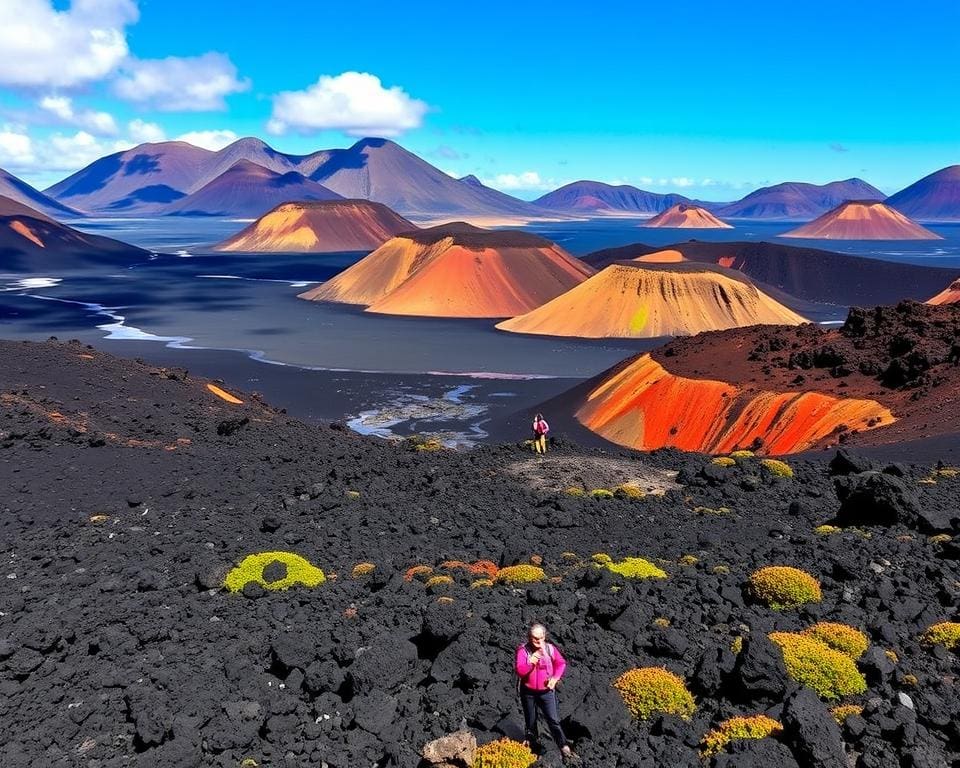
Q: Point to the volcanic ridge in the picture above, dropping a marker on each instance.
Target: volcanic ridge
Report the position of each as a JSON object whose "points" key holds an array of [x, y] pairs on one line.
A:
{"points": [[456, 270], [888, 375]]}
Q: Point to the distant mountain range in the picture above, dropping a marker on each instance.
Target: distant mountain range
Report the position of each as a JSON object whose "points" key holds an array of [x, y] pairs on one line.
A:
{"points": [[174, 177], [798, 201], [162, 178]]}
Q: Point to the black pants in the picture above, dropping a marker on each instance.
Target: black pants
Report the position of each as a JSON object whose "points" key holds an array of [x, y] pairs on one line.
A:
{"points": [[541, 701]]}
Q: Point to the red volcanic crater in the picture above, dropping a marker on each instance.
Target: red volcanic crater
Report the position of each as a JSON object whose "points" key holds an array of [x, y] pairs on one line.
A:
{"points": [[456, 270], [888, 375]]}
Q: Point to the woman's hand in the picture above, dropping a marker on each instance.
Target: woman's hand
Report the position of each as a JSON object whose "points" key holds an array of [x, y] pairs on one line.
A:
{"points": [[551, 683], [535, 657]]}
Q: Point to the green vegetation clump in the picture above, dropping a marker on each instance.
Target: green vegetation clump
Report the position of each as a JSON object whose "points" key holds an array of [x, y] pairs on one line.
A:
{"points": [[299, 571], [946, 633], [940, 538], [826, 530], [628, 491], [601, 493], [777, 467], [737, 455], [724, 461], [720, 570], [737, 645], [661, 622], [780, 587], [841, 637], [688, 560], [831, 674], [360, 570], [574, 490], [520, 574], [504, 753], [439, 582], [753, 727], [648, 691], [842, 711], [481, 583], [428, 446], [601, 558], [635, 568], [352, 494], [418, 572]]}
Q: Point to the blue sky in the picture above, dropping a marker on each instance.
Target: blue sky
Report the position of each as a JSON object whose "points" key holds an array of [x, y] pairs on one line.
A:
{"points": [[708, 99]]}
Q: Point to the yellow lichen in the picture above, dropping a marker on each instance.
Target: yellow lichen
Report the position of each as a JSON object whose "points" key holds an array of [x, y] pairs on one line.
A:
{"points": [[826, 530], [635, 568], [360, 570], [946, 633], [574, 490], [504, 753], [628, 491], [520, 574], [777, 467], [601, 493], [439, 582], [842, 711], [723, 461], [688, 560]]}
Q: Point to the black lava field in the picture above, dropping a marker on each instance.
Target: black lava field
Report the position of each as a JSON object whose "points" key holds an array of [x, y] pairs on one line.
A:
{"points": [[129, 492]]}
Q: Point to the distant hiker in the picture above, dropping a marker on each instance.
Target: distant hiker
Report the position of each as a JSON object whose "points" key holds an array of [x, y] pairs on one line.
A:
{"points": [[540, 429], [540, 665]]}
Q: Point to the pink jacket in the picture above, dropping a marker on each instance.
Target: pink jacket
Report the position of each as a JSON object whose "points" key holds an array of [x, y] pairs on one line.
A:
{"points": [[535, 676]]}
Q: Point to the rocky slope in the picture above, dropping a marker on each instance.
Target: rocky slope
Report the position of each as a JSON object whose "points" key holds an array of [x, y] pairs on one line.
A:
{"points": [[863, 220], [456, 270], [636, 299], [319, 227], [949, 295], [131, 491]]}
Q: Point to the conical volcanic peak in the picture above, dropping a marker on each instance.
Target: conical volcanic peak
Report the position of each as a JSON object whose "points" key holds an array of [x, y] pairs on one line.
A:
{"points": [[634, 300], [456, 271], [863, 220], [949, 295], [933, 198], [798, 201], [319, 226], [686, 216]]}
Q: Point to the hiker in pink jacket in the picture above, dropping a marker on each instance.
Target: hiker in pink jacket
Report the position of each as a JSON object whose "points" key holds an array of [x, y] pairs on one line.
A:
{"points": [[540, 665]]}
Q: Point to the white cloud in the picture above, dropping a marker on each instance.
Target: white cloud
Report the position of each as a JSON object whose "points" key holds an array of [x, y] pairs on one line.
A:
{"points": [[101, 123], [525, 180], [40, 46], [142, 132], [16, 148], [209, 139], [186, 84], [353, 102], [683, 181]]}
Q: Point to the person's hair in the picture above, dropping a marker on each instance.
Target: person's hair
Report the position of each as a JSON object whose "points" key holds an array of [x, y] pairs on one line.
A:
{"points": [[538, 417], [537, 625]]}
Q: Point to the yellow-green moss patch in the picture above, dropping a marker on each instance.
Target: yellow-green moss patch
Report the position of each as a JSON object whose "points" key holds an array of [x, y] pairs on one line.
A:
{"points": [[946, 633], [781, 586], [298, 571], [504, 753], [648, 691], [841, 637], [753, 727], [831, 674]]}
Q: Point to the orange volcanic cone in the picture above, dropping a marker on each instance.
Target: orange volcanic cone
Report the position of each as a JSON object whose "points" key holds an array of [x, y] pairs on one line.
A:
{"points": [[456, 271], [641, 300], [686, 216], [320, 227], [863, 220], [949, 295]]}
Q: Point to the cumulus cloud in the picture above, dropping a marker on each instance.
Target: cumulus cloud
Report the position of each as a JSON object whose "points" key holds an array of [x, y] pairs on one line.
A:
{"points": [[41, 46], [100, 123], [16, 148], [356, 103], [142, 132], [181, 84], [209, 139], [525, 180]]}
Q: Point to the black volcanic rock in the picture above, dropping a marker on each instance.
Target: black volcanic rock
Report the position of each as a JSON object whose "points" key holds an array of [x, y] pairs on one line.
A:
{"points": [[811, 731], [118, 645]]}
